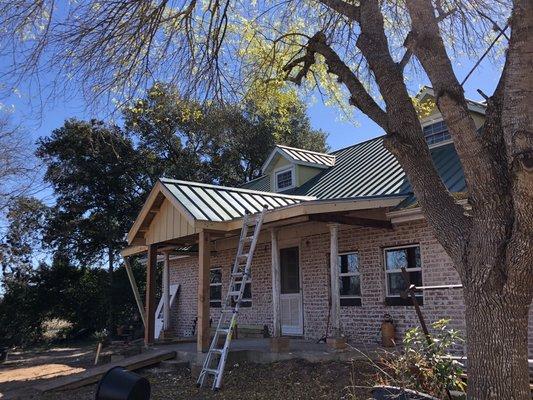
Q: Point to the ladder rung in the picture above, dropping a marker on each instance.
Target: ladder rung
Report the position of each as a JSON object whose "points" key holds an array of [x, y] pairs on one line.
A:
{"points": [[248, 238], [228, 311], [245, 255], [218, 351], [224, 330], [211, 371], [234, 293]]}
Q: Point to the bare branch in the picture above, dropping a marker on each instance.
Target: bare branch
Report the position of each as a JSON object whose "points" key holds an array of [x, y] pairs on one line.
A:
{"points": [[350, 11], [428, 46], [359, 95]]}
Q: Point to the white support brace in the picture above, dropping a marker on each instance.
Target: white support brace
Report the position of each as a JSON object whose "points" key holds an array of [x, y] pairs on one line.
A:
{"points": [[166, 293]]}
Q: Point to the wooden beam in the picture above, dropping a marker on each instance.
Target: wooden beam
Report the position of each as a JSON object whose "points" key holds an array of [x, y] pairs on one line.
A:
{"points": [[334, 272], [204, 266], [276, 284], [151, 267], [93, 375], [350, 220], [135, 290]]}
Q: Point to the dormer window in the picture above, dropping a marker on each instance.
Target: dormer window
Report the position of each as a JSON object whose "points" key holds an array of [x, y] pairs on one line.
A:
{"points": [[284, 179], [436, 133]]}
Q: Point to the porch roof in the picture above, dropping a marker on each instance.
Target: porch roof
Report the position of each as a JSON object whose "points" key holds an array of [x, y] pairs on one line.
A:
{"points": [[206, 202], [178, 210]]}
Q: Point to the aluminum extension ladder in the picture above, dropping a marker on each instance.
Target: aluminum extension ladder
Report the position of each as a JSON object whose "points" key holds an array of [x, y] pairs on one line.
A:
{"points": [[215, 359]]}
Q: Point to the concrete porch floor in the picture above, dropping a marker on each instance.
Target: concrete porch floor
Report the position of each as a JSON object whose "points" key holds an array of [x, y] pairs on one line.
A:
{"points": [[258, 350]]}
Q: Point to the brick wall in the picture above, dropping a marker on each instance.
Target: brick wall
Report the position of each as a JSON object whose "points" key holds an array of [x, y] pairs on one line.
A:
{"points": [[360, 323]]}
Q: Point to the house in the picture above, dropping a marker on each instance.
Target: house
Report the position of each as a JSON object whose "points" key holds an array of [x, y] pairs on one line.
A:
{"points": [[339, 228]]}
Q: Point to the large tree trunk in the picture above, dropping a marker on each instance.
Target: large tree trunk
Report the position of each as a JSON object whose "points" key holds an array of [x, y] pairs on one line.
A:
{"points": [[497, 350]]}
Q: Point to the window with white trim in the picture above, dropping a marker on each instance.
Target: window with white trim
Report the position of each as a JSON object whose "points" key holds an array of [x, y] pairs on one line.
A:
{"points": [[284, 179], [395, 259], [436, 133], [215, 287], [349, 279]]}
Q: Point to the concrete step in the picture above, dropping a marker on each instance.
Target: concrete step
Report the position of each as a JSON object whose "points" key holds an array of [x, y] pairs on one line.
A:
{"points": [[173, 365]]}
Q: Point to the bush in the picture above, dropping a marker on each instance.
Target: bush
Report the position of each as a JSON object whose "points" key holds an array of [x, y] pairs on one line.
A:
{"points": [[425, 366]]}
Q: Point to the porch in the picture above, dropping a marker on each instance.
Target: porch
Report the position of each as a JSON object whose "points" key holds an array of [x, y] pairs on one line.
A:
{"points": [[169, 227], [258, 350]]}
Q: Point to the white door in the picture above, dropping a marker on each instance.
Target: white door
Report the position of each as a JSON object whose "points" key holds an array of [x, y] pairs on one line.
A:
{"points": [[292, 322]]}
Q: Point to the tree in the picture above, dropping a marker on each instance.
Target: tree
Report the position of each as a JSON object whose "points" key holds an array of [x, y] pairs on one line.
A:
{"points": [[214, 142], [98, 188], [364, 48], [18, 171], [26, 218]]}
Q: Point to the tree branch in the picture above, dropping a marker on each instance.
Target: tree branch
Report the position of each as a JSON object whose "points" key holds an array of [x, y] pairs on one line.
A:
{"points": [[350, 11], [479, 167], [360, 98], [405, 138]]}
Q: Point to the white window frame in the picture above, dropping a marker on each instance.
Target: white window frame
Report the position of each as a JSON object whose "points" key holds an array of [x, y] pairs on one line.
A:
{"points": [[282, 170], [345, 274], [431, 122], [215, 284], [399, 271]]}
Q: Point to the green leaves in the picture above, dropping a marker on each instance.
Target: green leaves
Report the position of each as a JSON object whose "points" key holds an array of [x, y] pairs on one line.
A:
{"points": [[426, 365]]}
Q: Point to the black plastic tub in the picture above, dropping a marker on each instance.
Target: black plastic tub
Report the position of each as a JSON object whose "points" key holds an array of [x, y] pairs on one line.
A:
{"points": [[121, 384], [396, 393]]}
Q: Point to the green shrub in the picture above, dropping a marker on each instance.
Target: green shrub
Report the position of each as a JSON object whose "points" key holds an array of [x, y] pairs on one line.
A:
{"points": [[425, 366]]}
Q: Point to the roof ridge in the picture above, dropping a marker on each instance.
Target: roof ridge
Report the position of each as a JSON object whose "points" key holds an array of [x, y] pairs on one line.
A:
{"points": [[249, 191], [304, 150], [360, 143]]}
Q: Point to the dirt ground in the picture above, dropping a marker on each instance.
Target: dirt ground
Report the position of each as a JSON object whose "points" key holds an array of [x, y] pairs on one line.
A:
{"points": [[27, 367], [287, 380]]}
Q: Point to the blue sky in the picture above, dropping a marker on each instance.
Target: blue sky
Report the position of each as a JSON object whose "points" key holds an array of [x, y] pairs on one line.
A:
{"points": [[341, 133]]}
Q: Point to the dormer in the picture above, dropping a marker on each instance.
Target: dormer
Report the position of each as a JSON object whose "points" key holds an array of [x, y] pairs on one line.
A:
{"points": [[289, 167], [433, 125]]}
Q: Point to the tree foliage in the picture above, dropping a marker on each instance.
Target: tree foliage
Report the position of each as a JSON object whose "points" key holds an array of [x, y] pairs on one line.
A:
{"points": [[215, 142], [22, 243], [98, 185]]}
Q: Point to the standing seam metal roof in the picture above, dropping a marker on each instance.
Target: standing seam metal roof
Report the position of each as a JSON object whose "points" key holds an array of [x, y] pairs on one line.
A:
{"points": [[220, 203], [369, 169], [313, 157]]}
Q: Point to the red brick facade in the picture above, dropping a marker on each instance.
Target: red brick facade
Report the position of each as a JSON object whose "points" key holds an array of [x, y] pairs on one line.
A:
{"points": [[360, 323]]}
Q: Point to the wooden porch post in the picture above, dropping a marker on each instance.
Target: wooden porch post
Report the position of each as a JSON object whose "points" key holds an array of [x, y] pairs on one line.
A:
{"points": [[151, 267], [204, 265], [334, 271], [166, 294], [276, 282]]}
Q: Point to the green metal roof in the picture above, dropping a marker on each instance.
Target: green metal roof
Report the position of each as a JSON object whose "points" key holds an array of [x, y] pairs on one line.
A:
{"points": [[369, 169], [262, 184], [220, 203]]}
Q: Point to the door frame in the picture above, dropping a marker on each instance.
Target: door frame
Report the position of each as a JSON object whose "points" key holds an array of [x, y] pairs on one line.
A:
{"points": [[286, 245]]}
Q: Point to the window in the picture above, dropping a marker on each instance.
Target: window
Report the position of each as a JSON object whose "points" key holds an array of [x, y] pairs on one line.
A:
{"points": [[247, 295], [284, 179], [436, 133], [215, 288], [290, 270], [395, 259], [349, 279]]}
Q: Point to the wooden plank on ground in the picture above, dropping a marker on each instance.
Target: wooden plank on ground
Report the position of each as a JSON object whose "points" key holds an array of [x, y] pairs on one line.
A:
{"points": [[93, 375]]}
